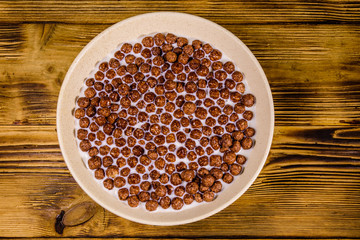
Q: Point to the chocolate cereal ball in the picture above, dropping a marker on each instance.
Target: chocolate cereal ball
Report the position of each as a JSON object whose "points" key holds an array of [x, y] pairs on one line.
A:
{"points": [[151, 205], [177, 203]]}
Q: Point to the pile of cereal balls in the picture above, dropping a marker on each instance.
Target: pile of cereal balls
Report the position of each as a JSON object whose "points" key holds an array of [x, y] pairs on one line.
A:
{"points": [[163, 122]]}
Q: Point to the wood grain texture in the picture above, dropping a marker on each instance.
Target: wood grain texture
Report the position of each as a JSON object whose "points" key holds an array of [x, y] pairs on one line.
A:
{"points": [[223, 12], [309, 50]]}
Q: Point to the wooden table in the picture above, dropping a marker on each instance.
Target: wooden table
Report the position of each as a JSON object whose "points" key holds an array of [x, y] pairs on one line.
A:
{"points": [[310, 52]]}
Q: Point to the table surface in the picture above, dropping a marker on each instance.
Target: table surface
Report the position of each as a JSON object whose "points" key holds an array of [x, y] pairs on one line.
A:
{"points": [[310, 52]]}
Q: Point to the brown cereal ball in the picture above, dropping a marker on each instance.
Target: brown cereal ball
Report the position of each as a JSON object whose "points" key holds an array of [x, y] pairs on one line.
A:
{"points": [[170, 157], [197, 44], [215, 160], [165, 202], [189, 108], [134, 178], [134, 190], [190, 98], [119, 55], [160, 101], [175, 179], [242, 124], [215, 55], [79, 113], [190, 87], [154, 175], [159, 39], [248, 115], [198, 197], [170, 57], [89, 93], [104, 66], [82, 134], [199, 54], [179, 191], [164, 178], [181, 41], [246, 143], [237, 76], [215, 142], [144, 196], [119, 182], [148, 41], [161, 191], [169, 168], [236, 147], [121, 71], [229, 157], [237, 135], [235, 97], [170, 38], [248, 100], [216, 187], [209, 151], [99, 76], [208, 180], [124, 89], [170, 85], [196, 123], [235, 169], [110, 74], [132, 161], [216, 173], [85, 145], [166, 48], [223, 119], [202, 71], [123, 193], [214, 111], [145, 186], [187, 175], [190, 144], [137, 48], [207, 48], [224, 167], [99, 173], [201, 113], [154, 196], [151, 205], [226, 140], [181, 166], [181, 152], [83, 102], [229, 67], [133, 201], [227, 178], [108, 183], [177, 203], [208, 196], [112, 171], [126, 48], [170, 95], [240, 159], [193, 166], [146, 53], [183, 58], [188, 199], [203, 161]]}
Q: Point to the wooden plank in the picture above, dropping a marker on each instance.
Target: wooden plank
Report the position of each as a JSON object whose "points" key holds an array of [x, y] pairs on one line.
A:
{"points": [[308, 188], [313, 71], [223, 12]]}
